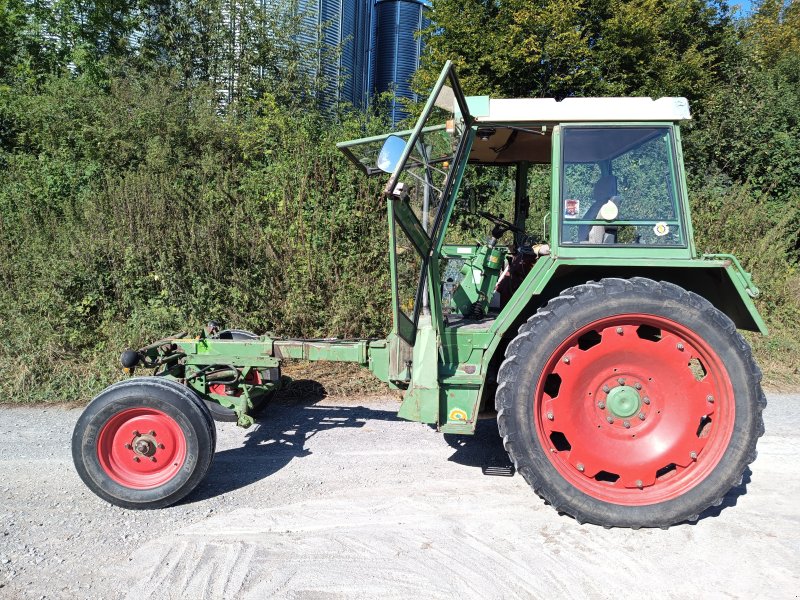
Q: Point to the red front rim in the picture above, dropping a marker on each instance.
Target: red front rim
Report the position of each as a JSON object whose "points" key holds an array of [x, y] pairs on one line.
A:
{"points": [[141, 448], [657, 436]]}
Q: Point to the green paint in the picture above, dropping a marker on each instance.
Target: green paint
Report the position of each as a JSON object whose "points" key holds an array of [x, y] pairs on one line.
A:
{"points": [[421, 401], [623, 401]]}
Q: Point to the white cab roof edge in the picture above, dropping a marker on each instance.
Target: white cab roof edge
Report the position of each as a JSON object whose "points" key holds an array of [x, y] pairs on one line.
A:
{"points": [[549, 110]]}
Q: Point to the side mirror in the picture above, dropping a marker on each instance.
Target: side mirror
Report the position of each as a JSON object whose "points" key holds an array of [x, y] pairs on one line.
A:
{"points": [[390, 153]]}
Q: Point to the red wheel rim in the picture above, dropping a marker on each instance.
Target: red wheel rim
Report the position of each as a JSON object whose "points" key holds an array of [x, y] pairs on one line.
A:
{"points": [[141, 448], [634, 409]]}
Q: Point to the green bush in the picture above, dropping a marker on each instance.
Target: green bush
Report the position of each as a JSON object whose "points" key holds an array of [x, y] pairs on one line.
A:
{"points": [[140, 210], [738, 219]]}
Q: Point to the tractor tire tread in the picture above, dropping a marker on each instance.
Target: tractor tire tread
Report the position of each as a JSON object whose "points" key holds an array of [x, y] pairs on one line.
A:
{"points": [[559, 309]]}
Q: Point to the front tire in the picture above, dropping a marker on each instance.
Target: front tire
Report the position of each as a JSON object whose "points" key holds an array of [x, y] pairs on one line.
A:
{"points": [[630, 403], [144, 443]]}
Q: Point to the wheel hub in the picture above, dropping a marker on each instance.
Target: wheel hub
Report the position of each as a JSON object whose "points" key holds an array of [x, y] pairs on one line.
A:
{"points": [[141, 448], [623, 401], [144, 445]]}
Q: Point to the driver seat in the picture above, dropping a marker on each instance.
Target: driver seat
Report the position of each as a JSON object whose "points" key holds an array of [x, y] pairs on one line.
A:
{"points": [[605, 188]]}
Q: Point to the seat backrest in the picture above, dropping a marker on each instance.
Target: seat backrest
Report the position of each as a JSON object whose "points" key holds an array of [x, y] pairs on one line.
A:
{"points": [[604, 188]]}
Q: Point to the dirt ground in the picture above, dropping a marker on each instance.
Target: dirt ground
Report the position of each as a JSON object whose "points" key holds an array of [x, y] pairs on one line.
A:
{"points": [[339, 499]]}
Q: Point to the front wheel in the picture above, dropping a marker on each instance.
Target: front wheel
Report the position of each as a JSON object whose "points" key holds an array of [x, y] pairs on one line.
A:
{"points": [[144, 443], [630, 403]]}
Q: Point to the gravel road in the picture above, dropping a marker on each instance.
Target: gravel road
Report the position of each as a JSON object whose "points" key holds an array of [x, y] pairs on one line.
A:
{"points": [[340, 499]]}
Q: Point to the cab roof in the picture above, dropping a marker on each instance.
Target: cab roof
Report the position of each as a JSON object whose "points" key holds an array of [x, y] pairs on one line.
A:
{"points": [[550, 110]]}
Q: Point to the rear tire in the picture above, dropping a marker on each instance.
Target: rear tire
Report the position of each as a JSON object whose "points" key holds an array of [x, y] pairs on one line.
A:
{"points": [[630, 403], [144, 443]]}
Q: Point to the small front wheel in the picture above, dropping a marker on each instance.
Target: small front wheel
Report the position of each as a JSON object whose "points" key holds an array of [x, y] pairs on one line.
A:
{"points": [[144, 443]]}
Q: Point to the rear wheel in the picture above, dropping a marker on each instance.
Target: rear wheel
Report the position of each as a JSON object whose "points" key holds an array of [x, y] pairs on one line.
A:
{"points": [[144, 443], [630, 403]]}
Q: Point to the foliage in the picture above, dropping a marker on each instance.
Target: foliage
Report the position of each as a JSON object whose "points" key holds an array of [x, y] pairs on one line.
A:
{"points": [[140, 210], [737, 219], [164, 163], [519, 48]]}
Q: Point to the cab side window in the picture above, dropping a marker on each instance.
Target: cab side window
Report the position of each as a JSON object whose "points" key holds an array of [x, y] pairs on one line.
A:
{"points": [[619, 187]]}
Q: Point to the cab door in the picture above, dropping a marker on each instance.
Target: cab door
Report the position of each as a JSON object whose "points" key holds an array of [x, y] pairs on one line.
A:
{"points": [[423, 164], [418, 192]]}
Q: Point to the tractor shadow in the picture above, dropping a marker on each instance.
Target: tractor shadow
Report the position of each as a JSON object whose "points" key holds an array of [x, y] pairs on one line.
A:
{"points": [[296, 415], [729, 500], [483, 450], [279, 436]]}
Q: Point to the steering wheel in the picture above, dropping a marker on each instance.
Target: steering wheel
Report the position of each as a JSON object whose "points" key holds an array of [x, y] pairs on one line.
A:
{"points": [[506, 225]]}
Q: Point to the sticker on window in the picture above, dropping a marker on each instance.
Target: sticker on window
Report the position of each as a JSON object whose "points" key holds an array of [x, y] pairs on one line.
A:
{"points": [[661, 229], [571, 208]]}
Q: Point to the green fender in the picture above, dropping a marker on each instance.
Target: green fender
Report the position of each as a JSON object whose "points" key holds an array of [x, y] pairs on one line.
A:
{"points": [[718, 278]]}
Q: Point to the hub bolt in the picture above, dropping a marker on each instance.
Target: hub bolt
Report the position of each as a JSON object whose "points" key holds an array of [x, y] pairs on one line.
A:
{"points": [[136, 459], [152, 459], [693, 455], [128, 447], [621, 381], [680, 347], [161, 446], [566, 360], [135, 433], [626, 424], [646, 400], [151, 432], [601, 405], [610, 419], [619, 330], [550, 416], [638, 386], [580, 467], [641, 416], [710, 398], [606, 389]]}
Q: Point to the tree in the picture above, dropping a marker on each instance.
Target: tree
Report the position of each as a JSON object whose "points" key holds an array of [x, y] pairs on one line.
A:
{"points": [[558, 48]]}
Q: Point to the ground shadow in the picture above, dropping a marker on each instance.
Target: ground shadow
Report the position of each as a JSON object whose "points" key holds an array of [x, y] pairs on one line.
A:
{"points": [[730, 499], [300, 412], [484, 449], [279, 436]]}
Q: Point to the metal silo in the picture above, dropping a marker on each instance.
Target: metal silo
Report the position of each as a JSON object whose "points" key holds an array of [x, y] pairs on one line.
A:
{"points": [[342, 30], [397, 49]]}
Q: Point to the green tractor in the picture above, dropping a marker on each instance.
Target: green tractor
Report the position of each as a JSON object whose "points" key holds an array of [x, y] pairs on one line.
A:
{"points": [[609, 348]]}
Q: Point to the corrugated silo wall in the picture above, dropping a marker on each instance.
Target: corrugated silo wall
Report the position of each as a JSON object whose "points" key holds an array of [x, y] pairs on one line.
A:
{"points": [[343, 27], [397, 49]]}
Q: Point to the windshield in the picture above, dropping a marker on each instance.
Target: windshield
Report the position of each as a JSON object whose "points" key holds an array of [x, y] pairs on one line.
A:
{"points": [[421, 164], [429, 157], [419, 187]]}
